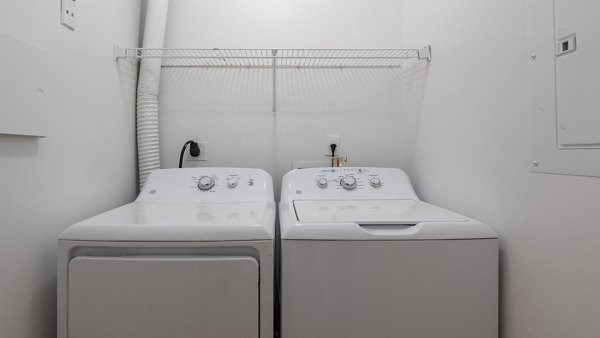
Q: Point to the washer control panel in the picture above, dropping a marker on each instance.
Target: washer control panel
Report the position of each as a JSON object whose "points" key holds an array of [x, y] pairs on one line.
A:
{"points": [[210, 184], [346, 182], [348, 178]]}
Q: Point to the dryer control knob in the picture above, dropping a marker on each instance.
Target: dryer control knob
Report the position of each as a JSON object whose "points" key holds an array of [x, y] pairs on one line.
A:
{"points": [[375, 182], [322, 182], [232, 182], [348, 183], [206, 183]]}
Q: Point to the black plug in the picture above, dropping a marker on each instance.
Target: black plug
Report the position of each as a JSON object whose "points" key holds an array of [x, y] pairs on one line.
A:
{"points": [[194, 149], [333, 146]]}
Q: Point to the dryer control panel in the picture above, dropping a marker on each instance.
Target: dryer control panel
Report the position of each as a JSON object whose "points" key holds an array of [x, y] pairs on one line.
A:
{"points": [[212, 185], [347, 183]]}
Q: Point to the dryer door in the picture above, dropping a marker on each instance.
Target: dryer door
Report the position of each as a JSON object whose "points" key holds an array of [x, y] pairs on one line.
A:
{"points": [[163, 296]]}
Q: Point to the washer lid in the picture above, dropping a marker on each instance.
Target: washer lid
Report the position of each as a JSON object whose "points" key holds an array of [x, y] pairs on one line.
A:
{"points": [[163, 221], [391, 219], [405, 211]]}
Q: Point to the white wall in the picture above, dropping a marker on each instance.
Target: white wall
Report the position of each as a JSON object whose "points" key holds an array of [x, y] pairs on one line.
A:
{"points": [[231, 108], [471, 154], [86, 164]]}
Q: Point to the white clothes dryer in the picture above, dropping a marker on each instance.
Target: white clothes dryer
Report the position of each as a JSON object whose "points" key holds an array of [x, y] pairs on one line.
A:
{"points": [[362, 256], [192, 256]]}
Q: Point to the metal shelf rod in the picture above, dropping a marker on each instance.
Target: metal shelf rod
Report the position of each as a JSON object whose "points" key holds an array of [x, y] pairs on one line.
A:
{"points": [[274, 62]]}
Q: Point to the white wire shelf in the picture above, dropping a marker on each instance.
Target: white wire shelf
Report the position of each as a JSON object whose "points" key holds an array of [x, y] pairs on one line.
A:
{"points": [[277, 58]]}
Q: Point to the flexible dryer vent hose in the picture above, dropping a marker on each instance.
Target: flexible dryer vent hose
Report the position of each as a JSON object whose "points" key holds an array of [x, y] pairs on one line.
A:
{"points": [[147, 93]]}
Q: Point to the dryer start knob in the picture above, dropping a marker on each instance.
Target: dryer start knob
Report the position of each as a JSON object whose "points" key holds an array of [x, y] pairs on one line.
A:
{"points": [[206, 183], [232, 182], [375, 182], [348, 183]]}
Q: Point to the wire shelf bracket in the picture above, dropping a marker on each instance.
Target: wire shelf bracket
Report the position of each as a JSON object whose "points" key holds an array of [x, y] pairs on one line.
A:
{"points": [[276, 58], [425, 53]]}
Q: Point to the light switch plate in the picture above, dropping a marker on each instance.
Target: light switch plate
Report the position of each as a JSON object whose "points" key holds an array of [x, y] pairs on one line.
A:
{"points": [[68, 13]]}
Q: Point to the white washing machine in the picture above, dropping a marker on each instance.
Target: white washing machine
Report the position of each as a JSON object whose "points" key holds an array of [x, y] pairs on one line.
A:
{"points": [[192, 256], [362, 256]]}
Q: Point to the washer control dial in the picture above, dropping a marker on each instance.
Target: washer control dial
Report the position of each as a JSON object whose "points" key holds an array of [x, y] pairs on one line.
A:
{"points": [[232, 182], [322, 182], [375, 182], [206, 183], [348, 183]]}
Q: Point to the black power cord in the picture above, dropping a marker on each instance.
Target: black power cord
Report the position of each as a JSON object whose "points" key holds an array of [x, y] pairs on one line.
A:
{"points": [[333, 146], [194, 151]]}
